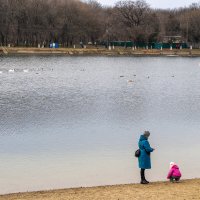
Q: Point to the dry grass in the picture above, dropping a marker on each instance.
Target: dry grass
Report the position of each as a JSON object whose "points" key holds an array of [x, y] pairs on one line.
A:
{"points": [[185, 190]]}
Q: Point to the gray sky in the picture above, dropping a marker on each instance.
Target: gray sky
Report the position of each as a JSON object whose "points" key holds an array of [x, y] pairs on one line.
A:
{"points": [[157, 3]]}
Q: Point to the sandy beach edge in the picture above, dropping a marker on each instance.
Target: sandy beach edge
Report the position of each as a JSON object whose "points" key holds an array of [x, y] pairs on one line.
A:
{"points": [[99, 52], [185, 189]]}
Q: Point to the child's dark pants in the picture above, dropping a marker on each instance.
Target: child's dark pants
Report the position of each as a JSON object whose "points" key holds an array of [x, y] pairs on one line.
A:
{"points": [[173, 178]]}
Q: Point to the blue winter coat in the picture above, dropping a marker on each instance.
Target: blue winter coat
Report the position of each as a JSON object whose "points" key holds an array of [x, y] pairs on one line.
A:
{"points": [[145, 150]]}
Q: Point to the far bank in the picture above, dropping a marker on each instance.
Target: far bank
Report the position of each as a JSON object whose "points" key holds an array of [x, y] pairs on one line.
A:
{"points": [[99, 52]]}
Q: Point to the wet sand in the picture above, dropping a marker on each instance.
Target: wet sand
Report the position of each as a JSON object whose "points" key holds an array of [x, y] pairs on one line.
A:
{"points": [[185, 190]]}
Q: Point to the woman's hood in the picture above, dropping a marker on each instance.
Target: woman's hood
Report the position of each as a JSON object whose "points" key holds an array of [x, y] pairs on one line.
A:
{"points": [[142, 137]]}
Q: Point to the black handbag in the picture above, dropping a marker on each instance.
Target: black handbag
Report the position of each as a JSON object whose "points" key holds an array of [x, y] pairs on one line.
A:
{"points": [[137, 153]]}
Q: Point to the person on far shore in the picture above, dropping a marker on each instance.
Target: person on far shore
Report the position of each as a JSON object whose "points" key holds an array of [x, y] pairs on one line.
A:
{"points": [[174, 173], [144, 158]]}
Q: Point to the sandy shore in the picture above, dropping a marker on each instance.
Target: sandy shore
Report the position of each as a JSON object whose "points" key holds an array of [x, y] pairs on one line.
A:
{"points": [[185, 190], [98, 52]]}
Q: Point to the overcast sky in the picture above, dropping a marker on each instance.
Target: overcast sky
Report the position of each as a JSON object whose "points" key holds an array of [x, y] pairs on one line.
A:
{"points": [[157, 3]]}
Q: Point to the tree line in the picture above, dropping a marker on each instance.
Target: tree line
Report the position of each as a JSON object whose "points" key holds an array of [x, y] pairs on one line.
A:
{"points": [[69, 22]]}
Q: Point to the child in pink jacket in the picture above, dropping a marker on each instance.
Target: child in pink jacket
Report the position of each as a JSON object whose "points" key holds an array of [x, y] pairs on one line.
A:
{"points": [[174, 173]]}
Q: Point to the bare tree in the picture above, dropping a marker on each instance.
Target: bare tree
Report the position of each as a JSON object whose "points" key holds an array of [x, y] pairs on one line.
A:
{"points": [[138, 19], [133, 13]]}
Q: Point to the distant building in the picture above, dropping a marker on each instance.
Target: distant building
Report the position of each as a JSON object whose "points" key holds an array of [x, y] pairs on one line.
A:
{"points": [[173, 39]]}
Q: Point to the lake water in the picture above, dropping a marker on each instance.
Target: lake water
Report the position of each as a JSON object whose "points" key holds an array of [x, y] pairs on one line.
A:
{"points": [[75, 121]]}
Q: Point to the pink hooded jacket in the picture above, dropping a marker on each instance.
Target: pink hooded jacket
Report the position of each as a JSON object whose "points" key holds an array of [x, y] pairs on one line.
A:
{"points": [[174, 171]]}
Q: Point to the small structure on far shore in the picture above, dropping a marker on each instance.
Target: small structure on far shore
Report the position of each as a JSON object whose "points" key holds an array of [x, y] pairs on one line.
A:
{"points": [[54, 45]]}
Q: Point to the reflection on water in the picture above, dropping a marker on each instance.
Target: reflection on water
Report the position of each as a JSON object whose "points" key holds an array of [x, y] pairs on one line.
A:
{"points": [[70, 122]]}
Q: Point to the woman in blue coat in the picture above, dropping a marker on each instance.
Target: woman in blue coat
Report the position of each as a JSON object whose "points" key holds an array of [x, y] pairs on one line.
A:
{"points": [[144, 158]]}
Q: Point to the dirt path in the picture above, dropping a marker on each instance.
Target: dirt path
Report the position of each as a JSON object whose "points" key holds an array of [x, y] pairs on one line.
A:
{"points": [[99, 52]]}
